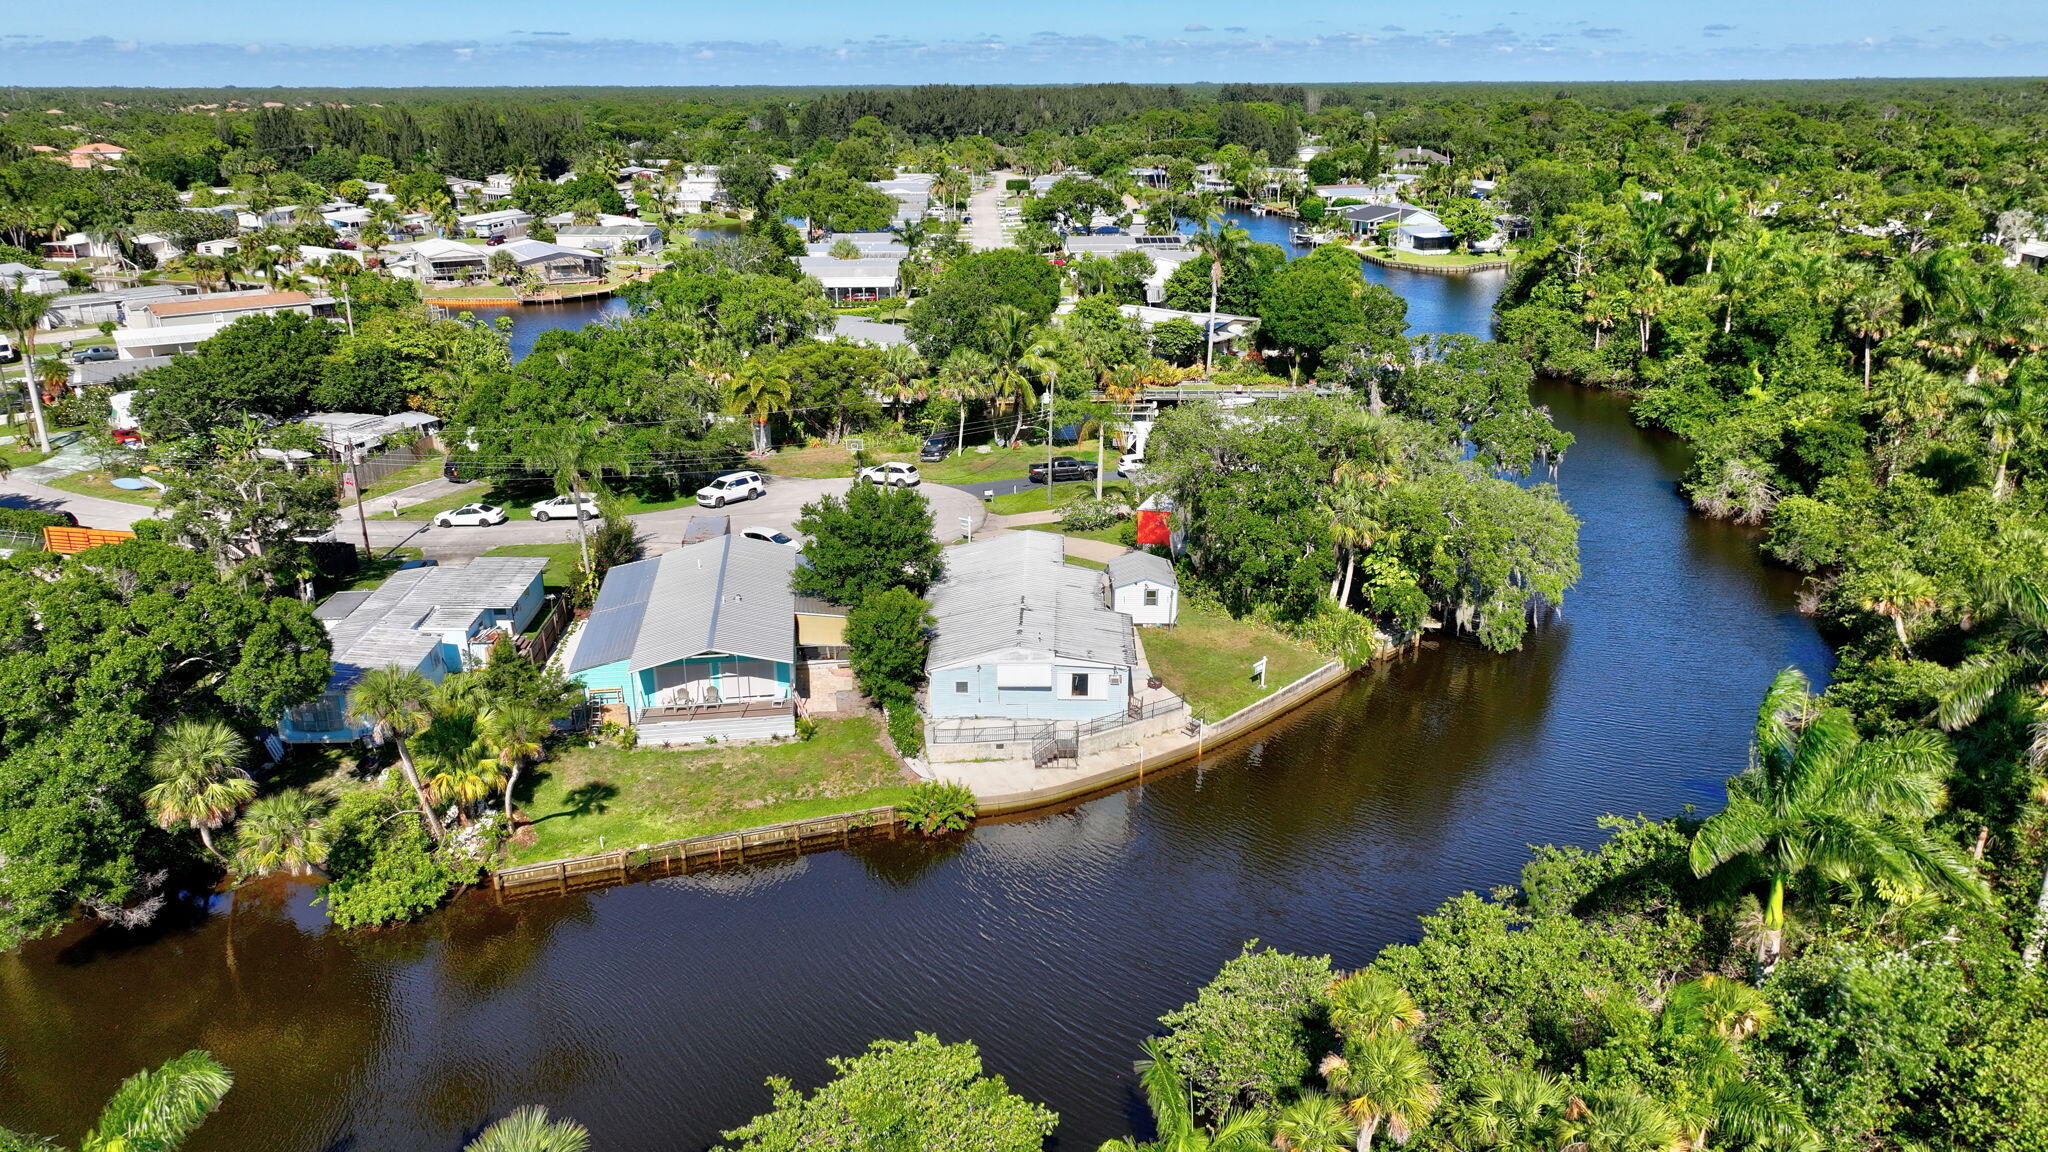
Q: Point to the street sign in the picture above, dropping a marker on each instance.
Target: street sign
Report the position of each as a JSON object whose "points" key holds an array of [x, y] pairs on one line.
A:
{"points": [[1259, 670], [967, 527]]}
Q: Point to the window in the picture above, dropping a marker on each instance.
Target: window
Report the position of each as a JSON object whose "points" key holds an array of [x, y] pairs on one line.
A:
{"points": [[1078, 685], [960, 686], [1151, 597]]}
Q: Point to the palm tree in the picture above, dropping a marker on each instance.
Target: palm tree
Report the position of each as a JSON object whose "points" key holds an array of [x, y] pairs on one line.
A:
{"points": [[197, 765], [1511, 1108], [576, 455], [1226, 245], [516, 732], [1871, 315], [151, 1111], [396, 703], [1742, 269], [2012, 671], [1898, 594], [1352, 504], [1366, 1004], [280, 833], [530, 1129], [1384, 1080], [1709, 216], [1313, 1122], [1173, 1115], [759, 390], [21, 314], [964, 377], [2014, 414], [1819, 799], [1619, 1120], [1017, 359]]}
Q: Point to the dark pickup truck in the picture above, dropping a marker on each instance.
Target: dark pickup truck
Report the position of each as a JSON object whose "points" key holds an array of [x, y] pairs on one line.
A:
{"points": [[1063, 468]]}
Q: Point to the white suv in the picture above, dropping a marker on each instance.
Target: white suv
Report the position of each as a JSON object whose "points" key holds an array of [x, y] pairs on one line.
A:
{"points": [[565, 507], [1129, 464], [731, 487], [895, 473]]}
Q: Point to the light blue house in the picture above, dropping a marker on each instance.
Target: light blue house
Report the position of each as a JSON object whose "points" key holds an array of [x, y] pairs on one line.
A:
{"points": [[695, 644], [1023, 636], [428, 620]]}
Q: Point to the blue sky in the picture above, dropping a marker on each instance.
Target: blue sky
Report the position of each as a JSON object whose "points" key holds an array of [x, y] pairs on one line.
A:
{"points": [[413, 42]]}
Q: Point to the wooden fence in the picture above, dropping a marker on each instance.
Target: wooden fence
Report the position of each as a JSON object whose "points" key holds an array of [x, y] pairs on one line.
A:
{"points": [[696, 854], [539, 644]]}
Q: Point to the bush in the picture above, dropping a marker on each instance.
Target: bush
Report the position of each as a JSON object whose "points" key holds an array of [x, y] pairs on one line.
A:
{"points": [[381, 865], [1127, 533], [936, 807], [28, 520], [906, 728], [1246, 1038], [1088, 515]]}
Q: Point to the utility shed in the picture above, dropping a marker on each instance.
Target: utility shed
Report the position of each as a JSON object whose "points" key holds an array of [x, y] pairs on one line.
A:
{"points": [[1143, 587]]}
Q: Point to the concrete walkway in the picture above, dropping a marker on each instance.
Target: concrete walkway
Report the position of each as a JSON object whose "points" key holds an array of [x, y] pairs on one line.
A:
{"points": [[1101, 551]]}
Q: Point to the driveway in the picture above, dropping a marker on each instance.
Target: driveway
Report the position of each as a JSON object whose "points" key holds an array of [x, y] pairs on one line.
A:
{"points": [[659, 531]]}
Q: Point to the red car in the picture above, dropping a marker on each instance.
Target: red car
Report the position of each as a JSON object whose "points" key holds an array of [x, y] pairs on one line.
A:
{"points": [[494, 241]]}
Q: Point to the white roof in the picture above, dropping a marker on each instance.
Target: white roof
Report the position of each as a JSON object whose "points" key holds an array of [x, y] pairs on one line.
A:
{"points": [[443, 249], [527, 250], [863, 273]]}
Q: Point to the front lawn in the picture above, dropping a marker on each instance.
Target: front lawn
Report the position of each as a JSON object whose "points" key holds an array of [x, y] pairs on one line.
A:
{"points": [[1207, 658], [1038, 498], [564, 561], [406, 477], [588, 800], [1006, 463], [1114, 534], [516, 497], [98, 484]]}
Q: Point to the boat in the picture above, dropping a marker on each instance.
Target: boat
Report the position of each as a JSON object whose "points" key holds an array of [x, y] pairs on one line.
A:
{"points": [[1301, 238]]}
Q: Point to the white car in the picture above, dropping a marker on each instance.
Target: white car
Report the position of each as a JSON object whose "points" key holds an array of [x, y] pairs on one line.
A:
{"points": [[563, 507], [772, 536], [731, 487], [895, 473], [471, 516], [1129, 464]]}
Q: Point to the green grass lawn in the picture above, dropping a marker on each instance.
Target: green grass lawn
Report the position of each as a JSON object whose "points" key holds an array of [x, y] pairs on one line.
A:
{"points": [[1038, 498], [406, 477], [1434, 259], [97, 484], [1207, 658], [21, 455], [1111, 535], [588, 800], [564, 560], [1005, 463], [1084, 562]]}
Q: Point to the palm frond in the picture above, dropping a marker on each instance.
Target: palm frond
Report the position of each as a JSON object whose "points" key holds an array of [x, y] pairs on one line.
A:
{"points": [[1977, 681], [157, 1111]]}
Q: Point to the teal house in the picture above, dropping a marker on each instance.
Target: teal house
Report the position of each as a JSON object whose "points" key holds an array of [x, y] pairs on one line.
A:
{"points": [[696, 644]]}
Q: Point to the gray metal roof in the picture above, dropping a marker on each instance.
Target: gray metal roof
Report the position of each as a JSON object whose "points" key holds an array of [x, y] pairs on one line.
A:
{"points": [[384, 627], [1014, 597], [865, 331], [815, 606], [1131, 567], [108, 371], [728, 594], [340, 605]]}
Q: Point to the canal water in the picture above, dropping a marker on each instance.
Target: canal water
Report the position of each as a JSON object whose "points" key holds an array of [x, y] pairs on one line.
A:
{"points": [[652, 1013]]}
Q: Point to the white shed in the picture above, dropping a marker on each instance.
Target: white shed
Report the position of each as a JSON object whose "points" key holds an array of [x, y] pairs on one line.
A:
{"points": [[1142, 586]]}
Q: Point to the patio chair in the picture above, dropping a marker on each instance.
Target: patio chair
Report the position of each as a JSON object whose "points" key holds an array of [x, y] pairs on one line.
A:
{"points": [[711, 694]]}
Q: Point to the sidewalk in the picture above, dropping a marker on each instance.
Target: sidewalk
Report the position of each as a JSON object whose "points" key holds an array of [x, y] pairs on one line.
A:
{"points": [[1100, 551]]}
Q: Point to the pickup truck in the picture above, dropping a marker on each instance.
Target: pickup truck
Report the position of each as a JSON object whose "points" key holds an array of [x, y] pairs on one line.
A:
{"points": [[1063, 468]]}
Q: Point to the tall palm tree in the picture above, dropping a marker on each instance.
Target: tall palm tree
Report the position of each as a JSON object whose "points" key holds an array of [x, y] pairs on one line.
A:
{"points": [[517, 734], [577, 455], [964, 378], [21, 314], [760, 390], [396, 702], [1819, 799], [1366, 1004], [280, 833], [1018, 359], [1224, 246], [1384, 1079], [1352, 504], [197, 765], [1709, 216], [530, 1129], [2011, 672], [461, 766], [2014, 414], [1871, 315]]}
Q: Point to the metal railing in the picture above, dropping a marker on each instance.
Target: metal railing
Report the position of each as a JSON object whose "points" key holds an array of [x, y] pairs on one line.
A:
{"points": [[978, 731]]}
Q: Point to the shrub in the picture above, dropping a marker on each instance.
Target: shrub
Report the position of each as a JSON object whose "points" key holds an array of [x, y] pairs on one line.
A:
{"points": [[1088, 515], [1127, 533], [1246, 1038], [936, 807], [381, 865], [28, 520], [906, 728]]}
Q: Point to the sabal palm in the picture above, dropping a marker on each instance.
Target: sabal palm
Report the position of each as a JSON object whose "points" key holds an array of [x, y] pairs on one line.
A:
{"points": [[759, 390], [395, 702], [1512, 1108], [2015, 414], [1012, 351], [1366, 1004], [1384, 1081], [280, 833], [517, 734], [197, 765], [1898, 594], [157, 1111], [965, 377], [1225, 246], [1619, 1120], [575, 455], [531, 1129], [461, 766], [1313, 1122], [1818, 799], [1353, 504], [21, 315]]}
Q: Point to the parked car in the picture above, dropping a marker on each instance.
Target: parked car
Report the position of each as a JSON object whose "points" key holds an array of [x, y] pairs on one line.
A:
{"points": [[1063, 468], [7, 353], [94, 353], [1129, 464], [409, 565], [895, 474], [936, 448], [563, 506], [731, 487], [772, 536], [472, 516], [494, 241]]}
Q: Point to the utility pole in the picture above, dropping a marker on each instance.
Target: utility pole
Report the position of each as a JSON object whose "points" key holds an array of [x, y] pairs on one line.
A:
{"points": [[1048, 449], [362, 518]]}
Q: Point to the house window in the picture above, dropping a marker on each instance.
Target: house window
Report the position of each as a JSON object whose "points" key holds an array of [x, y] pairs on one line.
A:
{"points": [[1078, 685], [1151, 597], [960, 686]]}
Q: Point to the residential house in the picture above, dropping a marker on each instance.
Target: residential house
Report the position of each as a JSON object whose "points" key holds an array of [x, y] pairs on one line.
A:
{"points": [[433, 621], [912, 192], [695, 644], [561, 220], [876, 278], [1149, 177], [347, 221], [698, 189], [498, 222], [1414, 229], [1166, 252], [555, 263], [22, 278], [160, 247], [85, 309], [250, 219], [636, 239], [224, 307], [96, 155], [1143, 586], [78, 246], [1230, 333], [2026, 254], [437, 260], [497, 186], [1021, 635], [887, 245], [1418, 157], [351, 436], [861, 330]]}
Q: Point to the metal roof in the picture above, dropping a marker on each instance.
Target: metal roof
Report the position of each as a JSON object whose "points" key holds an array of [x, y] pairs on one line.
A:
{"points": [[1132, 567], [728, 595], [864, 272], [340, 605], [1014, 598], [817, 606]]}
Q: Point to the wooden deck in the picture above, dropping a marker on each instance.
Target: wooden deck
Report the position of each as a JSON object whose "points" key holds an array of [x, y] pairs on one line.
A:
{"points": [[737, 710]]}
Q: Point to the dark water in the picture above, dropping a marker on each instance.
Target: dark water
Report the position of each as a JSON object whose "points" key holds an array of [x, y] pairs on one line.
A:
{"points": [[530, 320], [652, 1013]]}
